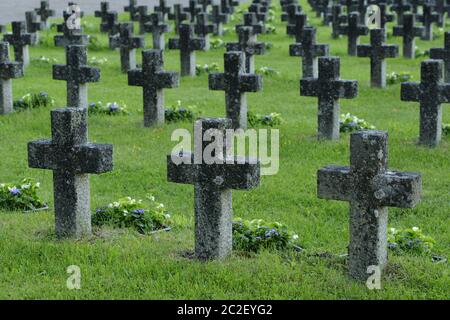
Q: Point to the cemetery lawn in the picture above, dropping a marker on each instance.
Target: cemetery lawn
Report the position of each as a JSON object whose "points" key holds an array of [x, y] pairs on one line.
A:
{"points": [[122, 264]]}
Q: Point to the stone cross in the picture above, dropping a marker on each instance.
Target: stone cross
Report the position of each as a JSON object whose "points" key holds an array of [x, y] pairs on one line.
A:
{"points": [[329, 89], [213, 182], [103, 12], [69, 36], [259, 11], [133, 10], [20, 40], [8, 70], [163, 8], [178, 16], [430, 93], [157, 27], [187, 44], [322, 10], [296, 29], [226, 7], [336, 18], [370, 188], [353, 29], [71, 158], [44, 12], [444, 55], [203, 28], [248, 46], [153, 79], [143, 18], [128, 45], [310, 51], [428, 17], [385, 17], [290, 12], [205, 4], [377, 51], [218, 18], [111, 24], [33, 25], [251, 21], [361, 7], [409, 31], [235, 82], [400, 7], [442, 7], [77, 74], [349, 5], [193, 9]]}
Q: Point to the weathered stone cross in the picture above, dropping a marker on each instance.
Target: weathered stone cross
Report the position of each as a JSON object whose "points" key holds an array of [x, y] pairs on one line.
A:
{"points": [[203, 28], [251, 21], [444, 55], [127, 43], [193, 9], [336, 18], [153, 79], [20, 40], [213, 182], [235, 82], [353, 29], [290, 12], [409, 31], [187, 45], [157, 27], [72, 158], [377, 51], [77, 74], [205, 4], [310, 51], [133, 10], [385, 17], [69, 36], [259, 11], [103, 12], [400, 7], [370, 188], [44, 12], [33, 25], [163, 8], [143, 18], [296, 29], [8, 70], [178, 16], [430, 92], [329, 89], [218, 18], [248, 46], [428, 17]]}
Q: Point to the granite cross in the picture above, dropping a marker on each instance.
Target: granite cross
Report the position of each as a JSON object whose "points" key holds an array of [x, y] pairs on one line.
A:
{"points": [[187, 44], [214, 176], [143, 18], [385, 16], [310, 51], [178, 16], [205, 4], [33, 26], [370, 188], [157, 27], [353, 29], [103, 12], [20, 40], [290, 12], [251, 21], [111, 24], [259, 11], [428, 17], [329, 89], [430, 93], [71, 158], [69, 36], [218, 18], [133, 10], [8, 71], [203, 28], [296, 29], [193, 9], [444, 55], [164, 9], [77, 74], [248, 46], [44, 12], [377, 51], [127, 44], [400, 7], [409, 31], [336, 18], [235, 82]]}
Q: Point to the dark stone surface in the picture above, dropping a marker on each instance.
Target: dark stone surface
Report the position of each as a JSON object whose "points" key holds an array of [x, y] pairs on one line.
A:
{"points": [[247, 45], [8, 70], [109, 19], [353, 30], [400, 7], [69, 36], [20, 40], [127, 44], [251, 21], [158, 28], [296, 28], [337, 18], [203, 28], [409, 31], [444, 55], [370, 188], [289, 13], [178, 16], [218, 19], [193, 9], [163, 9], [428, 17]]}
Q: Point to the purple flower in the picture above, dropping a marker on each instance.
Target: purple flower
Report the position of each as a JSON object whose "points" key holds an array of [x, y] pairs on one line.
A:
{"points": [[352, 124], [139, 211], [113, 107], [271, 233], [100, 210], [14, 191], [92, 105]]}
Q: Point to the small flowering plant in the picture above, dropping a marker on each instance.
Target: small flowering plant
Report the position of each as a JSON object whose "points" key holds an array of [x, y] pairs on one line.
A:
{"points": [[394, 77], [268, 71], [111, 108], [22, 196], [206, 68], [178, 113], [145, 217], [446, 129], [418, 53], [34, 100], [270, 120], [254, 235], [410, 240], [217, 43], [94, 61], [351, 123]]}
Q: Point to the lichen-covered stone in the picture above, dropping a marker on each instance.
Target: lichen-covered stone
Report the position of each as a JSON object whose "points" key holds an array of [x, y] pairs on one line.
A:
{"points": [[44, 12], [158, 28], [178, 16], [444, 55], [127, 44], [203, 28], [8, 70], [299, 23], [20, 40], [247, 45], [409, 31], [353, 30]]}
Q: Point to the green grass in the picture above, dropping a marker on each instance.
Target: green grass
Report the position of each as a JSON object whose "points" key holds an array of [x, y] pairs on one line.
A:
{"points": [[122, 264]]}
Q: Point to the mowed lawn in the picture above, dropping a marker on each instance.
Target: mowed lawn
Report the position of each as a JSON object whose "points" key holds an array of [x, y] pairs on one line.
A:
{"points": [[122, 264]]}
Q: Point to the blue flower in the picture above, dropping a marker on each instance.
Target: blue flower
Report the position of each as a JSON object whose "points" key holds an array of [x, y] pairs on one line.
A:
{"points": [[352, 124], [271, 233], [14, 191], [182, 110], [113, 107], [43, 94], [139, 211], [92, 105], [100, 211]]}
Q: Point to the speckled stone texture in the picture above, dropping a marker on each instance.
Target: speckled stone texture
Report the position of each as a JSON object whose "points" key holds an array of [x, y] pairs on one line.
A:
{"points": [[409, 31], [370, 188], [296, 28], [251, 21], [193, 9], [218, 19], [77, 74], [260, 12], [153, 79], [127, 43], [69, 36], [8, 70], [132, 8], [203, 28], [143, 18], [430, 92], [444, 55], [20, 40], [400, 7], [109, 19], [337, 18], [72, 158], [157, 27], [428, 17], [309, 50], [247, 45], [385, 16], [329, 89], [235, 82], [213, 183], [187, 44], [33, 26], [377, 51], [178, 16], [44, 12], [353, 30], [289, 13], [163, 9]]}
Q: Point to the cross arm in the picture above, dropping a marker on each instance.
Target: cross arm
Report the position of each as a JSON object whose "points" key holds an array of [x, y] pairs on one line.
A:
{"points": [[197, 44], [398, 31], [437, 53], [89, 74], [346, 88], [250, 82], [244, 173], [135, 78], [410, 91], [364, 50], [398, 189], [256, 48], [40, 155], [419, 31], [138, 42], [321, 50], [334, 182], [390, 51], [233, 46], [114, 41], [11, 70], [95, 158], [167, 79], [181, 168], [296, 50], [309, 87], [216, 81], [59, 72], [444, 93]]}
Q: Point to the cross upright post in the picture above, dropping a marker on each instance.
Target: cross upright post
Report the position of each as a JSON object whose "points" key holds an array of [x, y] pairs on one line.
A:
{"points": [[133, 10], [33, 26], [127, 43], [143, 18], [218, 19], [428, 17], [353, 29], [203, 28], [8, 71], [251, 21], [400, 7], [157, 27], [193, 9], [178, 16], [248, 46], [296, 29]]}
